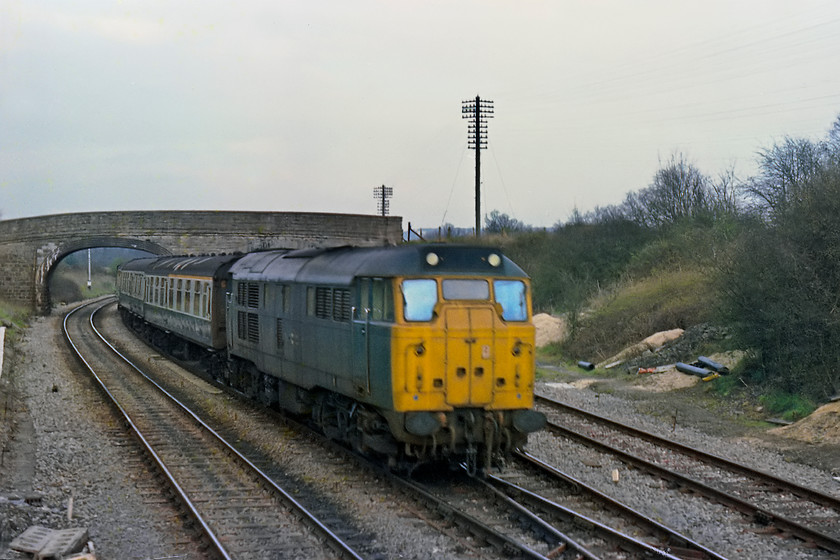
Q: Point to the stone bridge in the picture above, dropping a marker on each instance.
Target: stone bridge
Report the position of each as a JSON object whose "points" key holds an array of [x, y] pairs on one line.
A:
{"points": [[31, 247]]}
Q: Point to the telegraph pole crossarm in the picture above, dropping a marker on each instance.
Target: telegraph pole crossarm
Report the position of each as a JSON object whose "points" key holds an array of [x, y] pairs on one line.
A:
{"points": [[382, 194], [477, 111]]}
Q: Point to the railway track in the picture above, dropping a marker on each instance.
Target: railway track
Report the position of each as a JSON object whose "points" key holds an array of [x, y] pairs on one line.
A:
{"points": [[779, 505], [534, 526], [491, 519], [239, 510], [480, 539], [561, 497]]}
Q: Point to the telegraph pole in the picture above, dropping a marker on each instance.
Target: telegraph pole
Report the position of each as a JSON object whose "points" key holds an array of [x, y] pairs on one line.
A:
{"points": [[477, 111], [382, 194]]}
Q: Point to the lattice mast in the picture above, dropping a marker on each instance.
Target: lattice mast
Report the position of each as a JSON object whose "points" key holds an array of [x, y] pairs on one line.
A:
{"points": [[477, 111]]}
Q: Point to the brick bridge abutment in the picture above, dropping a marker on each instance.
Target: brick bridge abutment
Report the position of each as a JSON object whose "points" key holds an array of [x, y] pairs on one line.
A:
{"points": [[31, 247]]}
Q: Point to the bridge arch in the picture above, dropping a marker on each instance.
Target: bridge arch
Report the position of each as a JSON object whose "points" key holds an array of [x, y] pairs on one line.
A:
{"points": [[50, 255], [30, 247]]}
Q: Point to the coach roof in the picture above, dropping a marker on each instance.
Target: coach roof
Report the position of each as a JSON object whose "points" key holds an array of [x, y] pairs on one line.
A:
{"points": [[339, 266], [205, 266]]}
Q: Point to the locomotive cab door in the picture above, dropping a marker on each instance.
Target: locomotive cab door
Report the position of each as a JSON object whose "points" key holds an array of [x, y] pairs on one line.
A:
{"points": [[469, 354], [361, 349], [360, 316]]}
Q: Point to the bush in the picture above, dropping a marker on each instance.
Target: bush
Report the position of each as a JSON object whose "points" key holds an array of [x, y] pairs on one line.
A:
{"points": [[567, 266], [668, 300], [780, 292]]}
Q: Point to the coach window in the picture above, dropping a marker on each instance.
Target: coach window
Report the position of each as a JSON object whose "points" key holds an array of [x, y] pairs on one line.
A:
{"points": [[208, 292], [196, 303], [510, 294], [419, 299], [179, 294], [187, 295]]}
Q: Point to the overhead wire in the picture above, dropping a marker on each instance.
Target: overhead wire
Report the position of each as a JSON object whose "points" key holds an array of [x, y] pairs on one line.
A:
{"points": [[454, 183]]}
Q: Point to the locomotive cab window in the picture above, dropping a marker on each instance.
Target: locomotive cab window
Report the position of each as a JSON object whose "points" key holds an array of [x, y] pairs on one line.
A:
{"points": [[376, 295], [419, 299], [510, 294], [466, 289]]}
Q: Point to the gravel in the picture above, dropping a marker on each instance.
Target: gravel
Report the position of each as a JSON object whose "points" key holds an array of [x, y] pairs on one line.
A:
{"points": [[60, 445], [712, 525]]}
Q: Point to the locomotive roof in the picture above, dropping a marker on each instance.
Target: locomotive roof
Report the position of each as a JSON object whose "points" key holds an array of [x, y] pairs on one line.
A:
{"points": [[341, 265], [187, 266]]}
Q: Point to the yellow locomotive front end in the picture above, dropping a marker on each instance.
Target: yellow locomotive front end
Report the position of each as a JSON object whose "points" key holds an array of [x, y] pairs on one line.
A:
{"points": [[462, 357]]}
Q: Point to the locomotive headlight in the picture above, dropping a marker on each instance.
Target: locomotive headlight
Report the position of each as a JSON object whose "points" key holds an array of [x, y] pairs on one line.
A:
{"points": [[432, 259], [494, 260]]}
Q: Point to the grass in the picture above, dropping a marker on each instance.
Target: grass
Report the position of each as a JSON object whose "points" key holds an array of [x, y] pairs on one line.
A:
{"points": [[676, 298], [15, 318], [70, 285], [790, 407]]}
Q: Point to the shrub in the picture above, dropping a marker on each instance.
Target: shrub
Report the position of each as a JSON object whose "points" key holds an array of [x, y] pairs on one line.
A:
{"points": [[668, 300]]}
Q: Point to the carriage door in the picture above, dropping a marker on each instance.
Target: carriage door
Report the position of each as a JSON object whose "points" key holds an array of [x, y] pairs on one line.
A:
{"points": [[469, 355]]}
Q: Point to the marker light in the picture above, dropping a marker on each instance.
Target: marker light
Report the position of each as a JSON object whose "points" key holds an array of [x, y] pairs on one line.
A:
{"points": [[432, 259], [494, 259]]}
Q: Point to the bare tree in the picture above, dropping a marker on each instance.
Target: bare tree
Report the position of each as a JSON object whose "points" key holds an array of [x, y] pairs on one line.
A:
{"points": [[834, 134], [784, 173], [678, 191], [497, 222], [723, 193]]}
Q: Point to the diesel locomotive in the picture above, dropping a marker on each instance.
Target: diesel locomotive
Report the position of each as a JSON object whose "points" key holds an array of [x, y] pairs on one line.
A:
{"points": [[418, 353]]}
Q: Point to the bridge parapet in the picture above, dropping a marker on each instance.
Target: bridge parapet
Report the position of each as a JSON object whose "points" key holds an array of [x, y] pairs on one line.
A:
{"points": [[30, 247]]}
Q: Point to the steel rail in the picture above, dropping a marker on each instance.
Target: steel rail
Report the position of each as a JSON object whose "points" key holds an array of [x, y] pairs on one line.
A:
{"points": [[606, 532], [562, 541], [463, 520], [447, 511], [683, 543], [761, 514], [487, 533], [333, 540], [209, 534], [787, 485]]}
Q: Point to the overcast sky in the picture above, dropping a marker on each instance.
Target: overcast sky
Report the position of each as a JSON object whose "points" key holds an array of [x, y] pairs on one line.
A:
{"points": [[309, 105]]}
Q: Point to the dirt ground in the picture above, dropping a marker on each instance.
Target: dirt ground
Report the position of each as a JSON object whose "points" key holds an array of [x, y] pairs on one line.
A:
{"points": [[814, 440]]}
